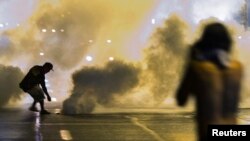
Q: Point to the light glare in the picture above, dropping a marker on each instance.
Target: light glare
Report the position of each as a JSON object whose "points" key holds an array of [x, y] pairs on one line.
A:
{"points": [[53, 99], [153, 21], [111, 58], [89, 58], [44, 30], [109, 41]]}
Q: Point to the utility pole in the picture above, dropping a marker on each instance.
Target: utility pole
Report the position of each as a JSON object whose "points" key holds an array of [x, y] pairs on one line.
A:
{"points": [[245, 15]]}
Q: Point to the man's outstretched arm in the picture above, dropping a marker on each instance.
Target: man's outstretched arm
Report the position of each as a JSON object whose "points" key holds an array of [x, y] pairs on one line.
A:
{"points": [[45, 90]]}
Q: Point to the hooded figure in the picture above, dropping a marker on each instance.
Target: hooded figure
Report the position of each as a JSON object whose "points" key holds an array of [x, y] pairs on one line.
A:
{"points": [[213, 78]]}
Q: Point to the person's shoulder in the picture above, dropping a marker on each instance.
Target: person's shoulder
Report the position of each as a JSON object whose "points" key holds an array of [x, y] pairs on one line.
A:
{"points": [[36, 69], [204, 68], [236, 64]]}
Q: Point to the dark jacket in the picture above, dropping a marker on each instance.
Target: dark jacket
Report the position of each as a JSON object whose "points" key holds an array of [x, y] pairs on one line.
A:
{"points": [[34, 77]]}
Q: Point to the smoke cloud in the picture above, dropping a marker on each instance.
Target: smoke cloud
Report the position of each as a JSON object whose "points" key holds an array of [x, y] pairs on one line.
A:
{"points": [[93, 85], [9, 84], [73, 28], [5, 46], [165, 57], [64, 32]]}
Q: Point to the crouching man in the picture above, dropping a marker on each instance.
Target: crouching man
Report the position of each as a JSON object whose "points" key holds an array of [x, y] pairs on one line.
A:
{"points": [[34, 84]]}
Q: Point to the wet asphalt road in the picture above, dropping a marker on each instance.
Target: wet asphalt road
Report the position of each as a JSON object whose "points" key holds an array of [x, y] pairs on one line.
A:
{"points": [[23, 125]]}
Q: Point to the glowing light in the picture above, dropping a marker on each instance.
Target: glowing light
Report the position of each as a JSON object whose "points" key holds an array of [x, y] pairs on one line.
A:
{"points": [[109, 41], [57, 111], [89, 58], [53, 30], [90, 41], [62, 30], [240, 37], [17, 24], [44, 30], [6, 23], [65, 135], [41, 54], [53, 99], [111, 58], [1, 25], [153, 21]]}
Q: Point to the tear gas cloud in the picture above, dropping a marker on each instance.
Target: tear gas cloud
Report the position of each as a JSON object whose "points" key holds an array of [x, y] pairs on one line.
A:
{"points": [[65, 32], [167, 51], [93, 86], [100, 85], [9, 80]]}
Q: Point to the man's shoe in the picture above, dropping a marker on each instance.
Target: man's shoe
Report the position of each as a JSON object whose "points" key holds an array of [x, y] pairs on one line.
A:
{"points": [[44, 112], [34, 109]]}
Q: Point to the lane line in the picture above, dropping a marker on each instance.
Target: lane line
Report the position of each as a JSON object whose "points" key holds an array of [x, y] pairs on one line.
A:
{"points": [[242, 121], [65, 135], [145, 128]]}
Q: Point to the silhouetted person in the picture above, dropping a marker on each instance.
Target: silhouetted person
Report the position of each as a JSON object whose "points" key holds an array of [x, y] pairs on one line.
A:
{"points": [[34, 84], [214, 78]]}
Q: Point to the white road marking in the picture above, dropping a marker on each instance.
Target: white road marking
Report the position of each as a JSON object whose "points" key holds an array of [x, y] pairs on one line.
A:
{"points": [[242, 121], [145, 128], [65, 135]]}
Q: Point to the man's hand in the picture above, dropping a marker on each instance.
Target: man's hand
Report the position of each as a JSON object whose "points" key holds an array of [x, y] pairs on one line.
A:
{"points": [[49, 98]]}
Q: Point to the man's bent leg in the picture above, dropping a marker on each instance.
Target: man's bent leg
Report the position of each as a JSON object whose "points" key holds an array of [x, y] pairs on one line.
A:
{"points": [[34, 103], [43, 111], [41, 102], [33, 107], [38, 96]]}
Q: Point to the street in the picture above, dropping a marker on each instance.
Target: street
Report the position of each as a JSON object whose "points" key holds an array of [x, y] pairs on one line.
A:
{"points": [[19, 124]]}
